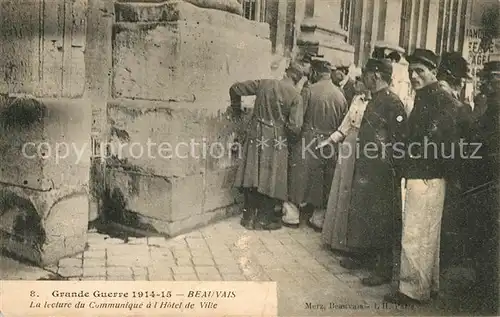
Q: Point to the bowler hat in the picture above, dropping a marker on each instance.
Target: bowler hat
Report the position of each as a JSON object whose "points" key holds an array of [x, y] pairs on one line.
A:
{"points": [[378, 65], [423, 56], [454, 64], [492, 67]]}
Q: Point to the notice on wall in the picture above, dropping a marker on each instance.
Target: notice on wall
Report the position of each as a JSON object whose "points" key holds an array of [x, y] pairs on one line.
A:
{"points": [[476, 54]]}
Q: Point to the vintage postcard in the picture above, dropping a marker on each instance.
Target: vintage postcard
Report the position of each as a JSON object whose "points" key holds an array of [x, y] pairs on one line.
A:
{"points": [[249, 157]]}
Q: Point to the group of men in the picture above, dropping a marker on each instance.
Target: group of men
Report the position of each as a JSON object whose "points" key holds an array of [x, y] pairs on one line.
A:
{"points": [[306, 149]]}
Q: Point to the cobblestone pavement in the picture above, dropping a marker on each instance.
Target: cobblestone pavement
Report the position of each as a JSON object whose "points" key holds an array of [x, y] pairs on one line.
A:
{"points": [[304, 270]]}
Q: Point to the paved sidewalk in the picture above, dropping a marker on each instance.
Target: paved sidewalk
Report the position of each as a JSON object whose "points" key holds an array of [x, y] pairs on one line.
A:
{"points": [[305, 272], [295, 258]]}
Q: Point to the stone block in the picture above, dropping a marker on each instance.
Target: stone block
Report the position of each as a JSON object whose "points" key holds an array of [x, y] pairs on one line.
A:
{"points": [[45, 143], [158, 10], [203, 261], [219, 191], [170, 11], [43, 45], [43, 227], [185, 277], [233, 277], [141, 194], [157, 198], [99, 271], [196, 60], [46, 159], [157, 138]]}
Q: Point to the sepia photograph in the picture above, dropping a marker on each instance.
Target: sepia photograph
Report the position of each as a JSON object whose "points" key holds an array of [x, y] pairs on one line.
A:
{"points": [[249, 157]]}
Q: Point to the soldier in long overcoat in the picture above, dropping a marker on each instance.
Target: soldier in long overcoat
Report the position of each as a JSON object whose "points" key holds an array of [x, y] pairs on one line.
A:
{"points": [[366, 227], [262, 173], [311, 177]]}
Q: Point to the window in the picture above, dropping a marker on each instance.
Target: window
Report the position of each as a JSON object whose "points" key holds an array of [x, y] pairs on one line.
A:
{"points": [[345, 14], [255, 10]]}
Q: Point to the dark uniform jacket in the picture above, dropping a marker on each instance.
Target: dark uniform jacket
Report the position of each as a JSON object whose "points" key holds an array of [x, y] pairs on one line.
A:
{"points": [[434, 131], [277, 115]]}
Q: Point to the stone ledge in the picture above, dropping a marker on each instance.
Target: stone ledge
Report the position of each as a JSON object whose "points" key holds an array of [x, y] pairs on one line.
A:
{"points": [[316, 38], [231, 6], [183, 11]]}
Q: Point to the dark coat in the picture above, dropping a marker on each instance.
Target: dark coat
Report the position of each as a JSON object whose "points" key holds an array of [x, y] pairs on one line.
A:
{"points": [[488, 126], [312, 171], [375, 192], [350, 90], [277, 115], [434, 120]]}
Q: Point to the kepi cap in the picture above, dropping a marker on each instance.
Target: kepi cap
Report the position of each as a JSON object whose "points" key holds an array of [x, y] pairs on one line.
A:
{"points": [[454, 64], [378, 65], [423, 56], [490, 68]]}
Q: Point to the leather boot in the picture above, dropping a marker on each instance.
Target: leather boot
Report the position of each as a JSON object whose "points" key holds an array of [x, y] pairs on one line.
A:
{"points": [[382, 273], [267, 220], [248, 218]]}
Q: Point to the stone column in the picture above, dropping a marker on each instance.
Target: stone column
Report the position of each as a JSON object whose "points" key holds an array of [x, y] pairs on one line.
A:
{"points": [[393, 21], [281, 27], [327, 13], [45, 122], [319, 33], [432, 25]]}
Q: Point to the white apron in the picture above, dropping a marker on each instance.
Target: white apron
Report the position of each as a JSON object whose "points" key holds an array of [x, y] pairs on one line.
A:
{"points": [[423, 210]]}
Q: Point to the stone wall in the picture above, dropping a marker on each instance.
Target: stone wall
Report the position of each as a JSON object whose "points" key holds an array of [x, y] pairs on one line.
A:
{"points": [[44, 129], [173, 64]]}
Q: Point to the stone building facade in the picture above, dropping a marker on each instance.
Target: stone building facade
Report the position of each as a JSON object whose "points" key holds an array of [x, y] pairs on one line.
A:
{"points": [[354, 26]]}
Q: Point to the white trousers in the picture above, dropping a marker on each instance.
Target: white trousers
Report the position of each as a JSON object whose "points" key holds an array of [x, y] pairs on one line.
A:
{"points": [[420, 244], [291, 214]]}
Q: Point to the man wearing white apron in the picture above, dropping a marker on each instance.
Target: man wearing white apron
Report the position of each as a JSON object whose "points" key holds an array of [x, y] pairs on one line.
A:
{"points": [[432, 133]]}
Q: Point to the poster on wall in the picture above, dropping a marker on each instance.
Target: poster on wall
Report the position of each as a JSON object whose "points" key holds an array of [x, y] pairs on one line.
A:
{"points": [[476, 54]]}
